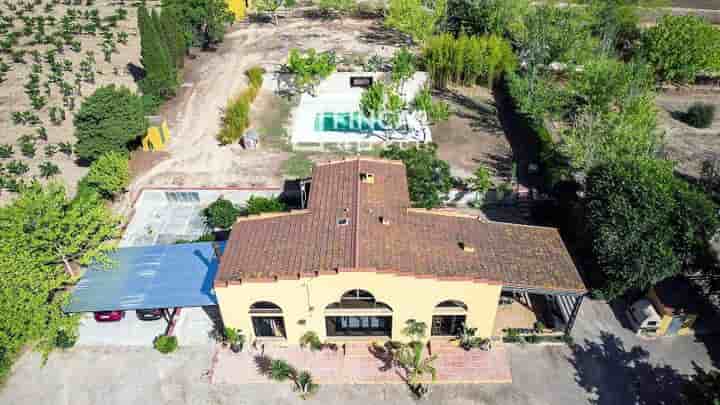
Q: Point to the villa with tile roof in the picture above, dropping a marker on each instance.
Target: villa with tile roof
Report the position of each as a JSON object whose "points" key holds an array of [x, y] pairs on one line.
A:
{"points": [[359, 262]]}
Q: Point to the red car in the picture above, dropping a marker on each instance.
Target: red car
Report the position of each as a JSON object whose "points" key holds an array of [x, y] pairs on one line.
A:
{"points": [[109, 316]]}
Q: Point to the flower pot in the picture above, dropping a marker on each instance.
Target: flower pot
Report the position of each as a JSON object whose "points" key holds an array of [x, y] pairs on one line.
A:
{"points": [[236, 347]]}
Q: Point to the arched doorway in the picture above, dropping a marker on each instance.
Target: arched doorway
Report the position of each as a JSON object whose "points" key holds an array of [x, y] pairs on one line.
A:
{"points": [[358, 313], [267, 320], [448, 318]]}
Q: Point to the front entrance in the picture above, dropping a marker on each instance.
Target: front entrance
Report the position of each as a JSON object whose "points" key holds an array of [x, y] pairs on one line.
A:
{"points": [[358, 325]]}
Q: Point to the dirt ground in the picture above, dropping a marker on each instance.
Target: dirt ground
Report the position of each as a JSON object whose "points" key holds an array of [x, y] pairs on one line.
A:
{"points": [[687, 145], [195, 157], [12, 91], [473, 135]]}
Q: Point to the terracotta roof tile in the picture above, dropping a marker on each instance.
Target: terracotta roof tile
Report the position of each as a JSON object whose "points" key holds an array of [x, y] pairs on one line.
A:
{"points": [[424, 243]]}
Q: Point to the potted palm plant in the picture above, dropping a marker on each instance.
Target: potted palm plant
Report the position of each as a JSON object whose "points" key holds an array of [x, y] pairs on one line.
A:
{"points": [[235, 339]]}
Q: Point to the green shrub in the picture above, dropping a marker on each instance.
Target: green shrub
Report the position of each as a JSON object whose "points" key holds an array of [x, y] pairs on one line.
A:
{"points": [[467, 59], [109, 175], [17, 168], [237, 117], [280, 370], [48, 169], [255, 76], [65, 339], [108, 121], [256, 205], [221, 213], [699, 115], [680, 47], [435, 111], [165, 344]]}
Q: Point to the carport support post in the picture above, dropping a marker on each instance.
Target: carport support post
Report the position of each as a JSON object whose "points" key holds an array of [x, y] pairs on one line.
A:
{"points": [[171, 321], [573, 315]]}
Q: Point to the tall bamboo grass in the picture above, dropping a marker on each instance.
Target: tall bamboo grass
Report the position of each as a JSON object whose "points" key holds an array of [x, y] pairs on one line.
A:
{"points": [[467, 60]]}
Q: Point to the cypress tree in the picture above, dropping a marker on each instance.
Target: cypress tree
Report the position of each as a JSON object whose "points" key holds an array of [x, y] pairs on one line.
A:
{"points": [[160, 73], [174, 36]]}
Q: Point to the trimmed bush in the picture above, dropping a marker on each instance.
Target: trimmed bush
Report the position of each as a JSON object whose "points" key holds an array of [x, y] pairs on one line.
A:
{"points": [[699, 115], [221, 214], [109, 175], [255, 75], [165, 344], [237, 117]]}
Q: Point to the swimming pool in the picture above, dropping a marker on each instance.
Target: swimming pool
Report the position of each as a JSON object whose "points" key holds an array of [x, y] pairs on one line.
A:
{"points": [[346, 122]]}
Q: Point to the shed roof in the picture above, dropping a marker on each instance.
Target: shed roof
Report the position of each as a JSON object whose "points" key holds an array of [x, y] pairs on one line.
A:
{"points": [[357, 223], [161, 276]]}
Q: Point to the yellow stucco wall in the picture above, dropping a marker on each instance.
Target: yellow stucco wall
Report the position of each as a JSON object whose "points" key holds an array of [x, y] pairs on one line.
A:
{"points": [[306, 299]]}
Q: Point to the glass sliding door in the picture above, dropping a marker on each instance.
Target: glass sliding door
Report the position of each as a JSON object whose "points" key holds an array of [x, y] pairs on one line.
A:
{"points": [[358, 325]]}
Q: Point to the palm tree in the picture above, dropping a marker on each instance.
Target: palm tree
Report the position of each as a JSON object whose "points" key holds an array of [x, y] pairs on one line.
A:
{"points": [[305, 385], [280, 370], [416, 367]]}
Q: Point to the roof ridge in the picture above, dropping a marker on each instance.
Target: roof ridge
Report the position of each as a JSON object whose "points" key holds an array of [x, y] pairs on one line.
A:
{"points": [[360, 158]]}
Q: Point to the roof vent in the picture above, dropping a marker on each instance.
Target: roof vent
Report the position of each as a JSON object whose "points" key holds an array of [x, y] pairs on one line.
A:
{"points": [[343, 221], [465, 247], [384, 221], [367, 178]]}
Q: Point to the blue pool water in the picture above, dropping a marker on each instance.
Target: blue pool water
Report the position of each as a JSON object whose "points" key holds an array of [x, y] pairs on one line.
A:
{"points": [[346, 122]]}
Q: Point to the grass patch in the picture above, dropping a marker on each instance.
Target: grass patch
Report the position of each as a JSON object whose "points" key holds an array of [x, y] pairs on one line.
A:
{"points": [[273, 121], [297, 166]]}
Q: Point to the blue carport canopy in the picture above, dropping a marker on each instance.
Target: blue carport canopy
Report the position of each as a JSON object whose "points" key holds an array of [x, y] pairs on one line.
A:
{"points": [[162, 276]]}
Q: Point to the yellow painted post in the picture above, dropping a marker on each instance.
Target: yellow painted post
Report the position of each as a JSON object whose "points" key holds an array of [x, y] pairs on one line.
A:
{"points": [[238, 8]]}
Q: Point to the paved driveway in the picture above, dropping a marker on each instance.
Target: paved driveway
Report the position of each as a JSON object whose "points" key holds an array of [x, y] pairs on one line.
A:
{"points": [[609, 365]]}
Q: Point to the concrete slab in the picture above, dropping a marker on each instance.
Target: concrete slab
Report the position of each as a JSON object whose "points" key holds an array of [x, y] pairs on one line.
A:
{"points": [[129, 331]]}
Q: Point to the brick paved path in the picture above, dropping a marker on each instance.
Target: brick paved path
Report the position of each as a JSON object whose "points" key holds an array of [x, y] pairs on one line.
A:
{"points": [[360, 366]]}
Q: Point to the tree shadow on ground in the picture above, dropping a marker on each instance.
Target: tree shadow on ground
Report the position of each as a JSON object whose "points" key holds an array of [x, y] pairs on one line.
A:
{"points": [[612, 374], [380, 35], [137, 72], [482, 116]]}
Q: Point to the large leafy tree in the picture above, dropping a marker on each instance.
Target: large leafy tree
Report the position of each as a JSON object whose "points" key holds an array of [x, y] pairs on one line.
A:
{"points": [[42, 232], [646, 224], [680, 47], [429, 178], [221, 213], [309, 68], [204, 21], [58, 231], [108, 121]]}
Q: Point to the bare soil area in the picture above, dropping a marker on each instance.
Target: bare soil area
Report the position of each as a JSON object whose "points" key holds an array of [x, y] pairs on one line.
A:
{"points": [[13, 97], [684, 144], [473, 135], [195, 157]]}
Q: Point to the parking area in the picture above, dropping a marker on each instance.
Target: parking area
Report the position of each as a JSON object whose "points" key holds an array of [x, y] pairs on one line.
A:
{"points": [[193, 327], [167, 215]]}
